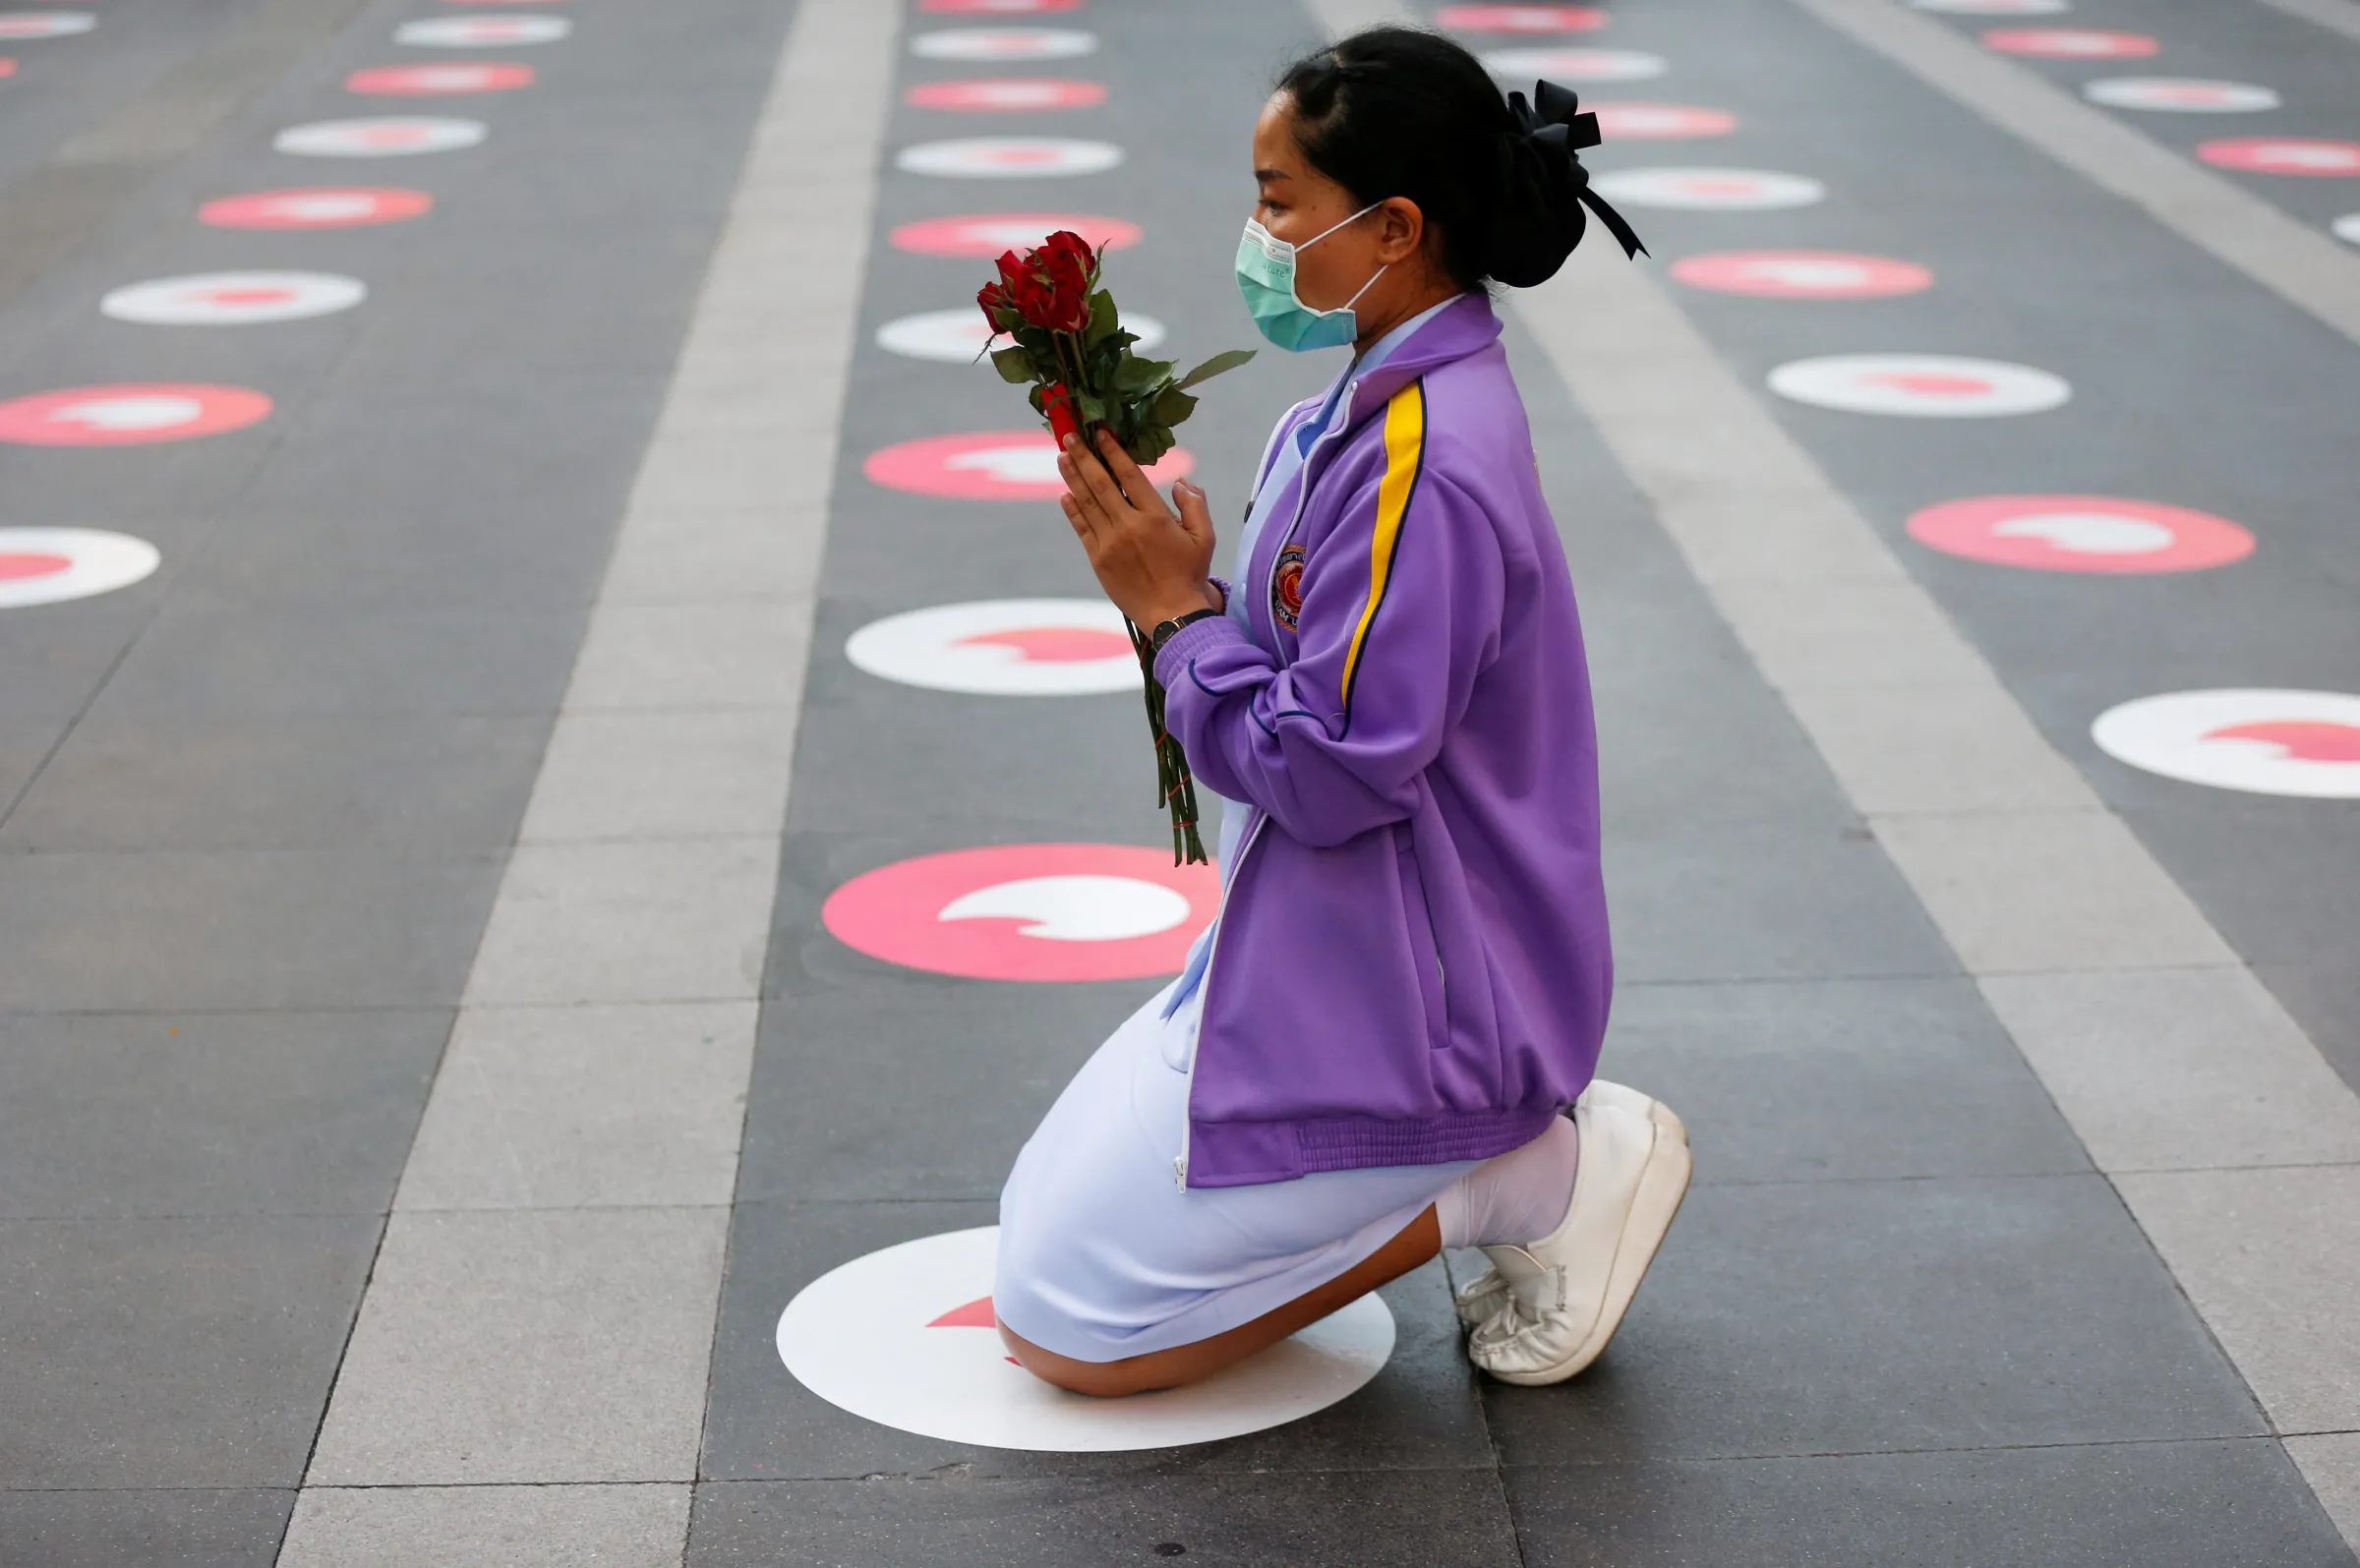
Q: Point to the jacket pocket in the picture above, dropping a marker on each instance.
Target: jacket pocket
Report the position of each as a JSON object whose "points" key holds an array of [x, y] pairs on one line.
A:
{"points": [[1426, 953]]}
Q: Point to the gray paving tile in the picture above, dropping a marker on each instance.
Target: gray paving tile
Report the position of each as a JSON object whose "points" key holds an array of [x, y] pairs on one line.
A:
{"points": [[222, 662], [182, 1528], [236, 929], [2236, 1504], [1419, 1415], [171, 1351], [1761, 900], [166, 782], [1852, 1316], [1827, 1081], [209, 1112], [825, 1125], [53, 656], [513, 1526], [407, 548], [1348, 1519]]}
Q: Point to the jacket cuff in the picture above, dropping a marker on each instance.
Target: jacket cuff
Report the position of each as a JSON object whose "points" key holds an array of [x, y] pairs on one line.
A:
{"points": [[1189, 642]]}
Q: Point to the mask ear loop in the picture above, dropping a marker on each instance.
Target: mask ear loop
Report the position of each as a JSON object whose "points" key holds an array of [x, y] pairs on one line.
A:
{"points": [[1333, 227]]}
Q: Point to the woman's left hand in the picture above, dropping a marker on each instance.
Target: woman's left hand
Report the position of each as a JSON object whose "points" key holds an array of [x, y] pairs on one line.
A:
{"points": [[1153, 562]]}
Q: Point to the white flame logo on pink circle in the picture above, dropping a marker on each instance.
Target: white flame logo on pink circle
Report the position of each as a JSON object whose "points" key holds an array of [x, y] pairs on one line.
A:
{"points": [[990, 465], [2277, 154], [2071, 43], [987, 234], [1002, 647], [1802, 274], [129, 413], [323, 207], [2108, 534], [2260, 740], [1520, 18], [1007, 94]]}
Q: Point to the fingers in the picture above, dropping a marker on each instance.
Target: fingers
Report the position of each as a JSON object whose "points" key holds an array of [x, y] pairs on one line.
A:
{"points": [[1079, 519], [1074, 467], [1195, 516], [1103, 489], [1127, 473]]}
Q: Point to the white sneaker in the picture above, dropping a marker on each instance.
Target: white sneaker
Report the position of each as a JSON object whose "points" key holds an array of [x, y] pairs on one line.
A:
{"points": [[1566, 1294], [1484, 1295]]}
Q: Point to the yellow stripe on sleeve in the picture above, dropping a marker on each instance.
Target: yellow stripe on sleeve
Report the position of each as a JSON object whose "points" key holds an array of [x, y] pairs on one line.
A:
{"points": [[1405, 456]]}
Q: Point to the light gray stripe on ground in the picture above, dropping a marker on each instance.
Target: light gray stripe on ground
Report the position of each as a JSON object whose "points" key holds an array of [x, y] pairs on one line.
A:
{"points": [[2230, 1138], [2305, 268], [527, 1377], [2337, 16], [53, 209]]}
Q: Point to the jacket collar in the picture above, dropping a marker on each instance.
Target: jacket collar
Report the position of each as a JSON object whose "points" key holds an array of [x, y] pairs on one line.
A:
{"points": [[1462, 328]]}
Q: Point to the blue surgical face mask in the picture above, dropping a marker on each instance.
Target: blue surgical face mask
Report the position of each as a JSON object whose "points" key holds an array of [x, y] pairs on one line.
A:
{"points": [[1266, 276]]}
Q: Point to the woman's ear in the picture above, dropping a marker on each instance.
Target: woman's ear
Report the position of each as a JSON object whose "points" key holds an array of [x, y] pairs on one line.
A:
{"points": [[1401, 229]]}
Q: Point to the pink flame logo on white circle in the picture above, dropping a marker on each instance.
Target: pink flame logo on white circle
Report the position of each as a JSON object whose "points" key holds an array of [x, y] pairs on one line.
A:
{"points": [[2179, 96], [1709, 190], [1574, 64], [1919, 386], [2260, 740], [987, 158], [904, 1337], [233, 299], [22, 26], [1661, 122], [378, 137], [48, 566], [1002, 647], [959, 337], [1004, 43], [480, 32]]}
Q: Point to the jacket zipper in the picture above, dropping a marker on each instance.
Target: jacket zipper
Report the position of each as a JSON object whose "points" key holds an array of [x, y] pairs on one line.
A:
{"points": [[1204, 995]]}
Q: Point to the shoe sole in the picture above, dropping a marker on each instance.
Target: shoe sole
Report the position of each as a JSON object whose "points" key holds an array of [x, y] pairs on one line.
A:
{"points": [[1663, 1187], [1666, 1122]]}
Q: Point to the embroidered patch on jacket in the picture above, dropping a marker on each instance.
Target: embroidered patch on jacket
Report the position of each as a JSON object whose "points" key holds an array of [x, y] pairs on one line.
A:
{"points": [[1286, 587]]}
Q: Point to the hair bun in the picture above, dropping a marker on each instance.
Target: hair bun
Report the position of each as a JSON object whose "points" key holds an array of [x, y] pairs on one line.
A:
{"points": [[1545, 198]]}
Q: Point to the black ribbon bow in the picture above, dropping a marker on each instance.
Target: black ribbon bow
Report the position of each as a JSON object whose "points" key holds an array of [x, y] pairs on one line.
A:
{"points": [[1554, 123]]}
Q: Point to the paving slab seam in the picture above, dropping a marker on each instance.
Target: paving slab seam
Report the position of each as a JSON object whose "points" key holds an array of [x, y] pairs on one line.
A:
{"points": [[2053, 905], [2337, 16], [2301, 265], [538, 1329]]}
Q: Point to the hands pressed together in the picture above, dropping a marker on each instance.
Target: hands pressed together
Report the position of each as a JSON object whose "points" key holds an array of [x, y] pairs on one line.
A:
{"points": [[1154, 563]]}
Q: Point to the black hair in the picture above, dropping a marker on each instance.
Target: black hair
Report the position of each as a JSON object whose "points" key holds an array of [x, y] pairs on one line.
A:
{"points": [[1395, 111]]}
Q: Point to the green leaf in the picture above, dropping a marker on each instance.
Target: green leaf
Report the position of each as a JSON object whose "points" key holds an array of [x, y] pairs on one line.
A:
{"points": [[1103, 320], [1136, 375], [1015, 364], [1148, 444], [1227, 360], [1094, 408], [1172, 407]]}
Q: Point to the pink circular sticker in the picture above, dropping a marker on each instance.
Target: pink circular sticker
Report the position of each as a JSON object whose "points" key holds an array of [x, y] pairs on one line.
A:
{"points": [[2283, 154], [990, 466], [322, 207], [438, 79], [8, 67], [1029, 911], [1521, 18], [2104, 533], [1007, 94], [1661, 122], [997, 8], [2071, 43], [1802, 274], [987, 234], [129, 413]]}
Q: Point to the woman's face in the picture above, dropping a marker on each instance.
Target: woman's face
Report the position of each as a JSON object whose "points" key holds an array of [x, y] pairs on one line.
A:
{"points": [[1298, 203]]}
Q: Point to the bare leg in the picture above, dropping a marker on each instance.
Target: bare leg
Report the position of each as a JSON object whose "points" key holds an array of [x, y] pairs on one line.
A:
{"points": [[1417, 1242]]}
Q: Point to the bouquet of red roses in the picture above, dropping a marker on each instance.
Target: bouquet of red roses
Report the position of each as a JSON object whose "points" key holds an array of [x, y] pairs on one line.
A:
{"points": [[1069, 343]]}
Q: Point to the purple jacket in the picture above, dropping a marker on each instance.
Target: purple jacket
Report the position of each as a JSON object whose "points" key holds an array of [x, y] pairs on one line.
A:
{"points": [[1411, 963]]}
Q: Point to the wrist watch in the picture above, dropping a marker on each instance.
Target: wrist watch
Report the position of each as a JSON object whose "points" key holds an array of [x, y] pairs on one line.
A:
{"points": [[1167, 630]]}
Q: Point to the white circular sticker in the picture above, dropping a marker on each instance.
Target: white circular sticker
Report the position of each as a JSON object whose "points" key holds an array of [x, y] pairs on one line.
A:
{"points": [[906, 1337], [2179, 94], [233, 299], [1918, 385], [1008, 158], [43, 565], [1576, 65], [1994, 8], [1709, 190], [480, 32], [390, 138], [2348, 227], [1004, 43], [957, 337], [20, 27], [1003, 647], [2304, 744]]}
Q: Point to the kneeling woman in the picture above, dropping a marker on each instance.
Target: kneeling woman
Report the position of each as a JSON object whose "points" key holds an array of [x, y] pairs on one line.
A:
{"points": [[1384, 1043]]}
